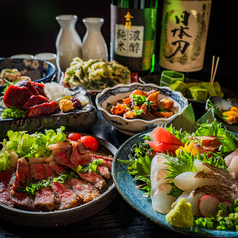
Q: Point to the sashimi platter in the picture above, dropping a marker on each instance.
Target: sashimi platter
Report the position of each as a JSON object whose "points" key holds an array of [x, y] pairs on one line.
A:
{"points": [[183, 180]]}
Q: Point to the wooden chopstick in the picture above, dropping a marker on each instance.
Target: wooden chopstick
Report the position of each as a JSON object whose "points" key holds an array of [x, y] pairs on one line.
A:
{"points": [[214, 74]]}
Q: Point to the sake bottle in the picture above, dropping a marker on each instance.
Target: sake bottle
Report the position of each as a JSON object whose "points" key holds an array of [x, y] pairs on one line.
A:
{"points": [[184, 34], [133, 34]]}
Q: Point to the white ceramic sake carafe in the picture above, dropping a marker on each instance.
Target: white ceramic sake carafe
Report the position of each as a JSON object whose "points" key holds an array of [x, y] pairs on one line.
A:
{"points": [[94, 45], [68, 42]]}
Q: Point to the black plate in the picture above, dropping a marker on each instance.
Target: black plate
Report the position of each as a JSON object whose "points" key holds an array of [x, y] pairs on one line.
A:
{"points": [[78, 120], [64, 217]]}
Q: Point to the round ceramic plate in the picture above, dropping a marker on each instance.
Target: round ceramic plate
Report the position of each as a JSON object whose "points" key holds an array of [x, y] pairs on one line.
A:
{"points": [[127, 188], [64, 217]]}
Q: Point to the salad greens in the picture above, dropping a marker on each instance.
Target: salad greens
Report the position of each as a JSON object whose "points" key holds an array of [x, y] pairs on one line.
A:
{"points": [[28, 145], [141, 155], [13, 112]]}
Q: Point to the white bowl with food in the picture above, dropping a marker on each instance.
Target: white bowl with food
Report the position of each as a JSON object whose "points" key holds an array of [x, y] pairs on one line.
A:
{"points": [[134, 119]]}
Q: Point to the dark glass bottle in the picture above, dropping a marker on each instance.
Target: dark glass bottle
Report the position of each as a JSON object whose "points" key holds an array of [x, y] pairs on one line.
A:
{"points": [[133, 34], [183, 35]]}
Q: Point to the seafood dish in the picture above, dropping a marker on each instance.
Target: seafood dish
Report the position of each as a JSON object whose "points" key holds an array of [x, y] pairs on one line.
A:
{"points": [[143, 105], [226, 110], [190, 178], [52, 171], [11, 75]]}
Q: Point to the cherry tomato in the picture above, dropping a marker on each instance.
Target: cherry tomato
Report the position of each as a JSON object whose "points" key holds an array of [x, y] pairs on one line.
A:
{"points": [[90, 142], [74, 136]]}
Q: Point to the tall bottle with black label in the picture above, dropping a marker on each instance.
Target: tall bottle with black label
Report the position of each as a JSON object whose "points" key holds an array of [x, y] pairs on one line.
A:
{"points": [[184, 34], [133, 34]]}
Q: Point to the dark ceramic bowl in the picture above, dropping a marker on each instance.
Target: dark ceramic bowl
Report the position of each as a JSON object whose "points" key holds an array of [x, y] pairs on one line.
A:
{"points": [[37, 70]]}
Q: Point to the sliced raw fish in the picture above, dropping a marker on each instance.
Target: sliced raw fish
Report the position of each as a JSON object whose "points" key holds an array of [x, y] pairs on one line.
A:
{"points": [[198, 165], [188, 181], [160, 188], [229, 157]]}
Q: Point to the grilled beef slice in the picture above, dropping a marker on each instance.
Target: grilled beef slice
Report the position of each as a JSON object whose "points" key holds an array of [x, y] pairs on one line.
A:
{"points": [[63, 158], [66, 195], [85, 191], [44, 198], [22, 178], [5, 186]]}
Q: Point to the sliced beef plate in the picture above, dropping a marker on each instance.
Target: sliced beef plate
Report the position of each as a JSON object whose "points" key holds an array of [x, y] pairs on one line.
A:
{"points": [[64, 158], [42, 109], [5, 186], [22, 178], [85, 191], [34, 100], [44, 198], [16, 96], [66, 195]]}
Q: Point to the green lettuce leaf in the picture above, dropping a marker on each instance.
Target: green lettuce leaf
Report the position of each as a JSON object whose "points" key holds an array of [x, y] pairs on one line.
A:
{"points": [[29, 145]]}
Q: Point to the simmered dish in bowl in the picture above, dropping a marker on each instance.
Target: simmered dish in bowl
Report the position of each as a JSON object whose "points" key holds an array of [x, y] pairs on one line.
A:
{"points": [[110, 96]]}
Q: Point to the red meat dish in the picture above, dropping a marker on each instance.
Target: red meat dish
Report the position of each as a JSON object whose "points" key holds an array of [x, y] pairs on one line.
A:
{"points": [[42, 109], [85, 191], [44, 198], [34, 100], [16, 96], [28, 85], [63, 157], [63, 191], [22, 178], [39, 87], [5, 184]]}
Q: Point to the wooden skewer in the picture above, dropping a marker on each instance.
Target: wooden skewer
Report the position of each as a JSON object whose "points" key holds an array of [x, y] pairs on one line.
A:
{"points": [[218, 58]]}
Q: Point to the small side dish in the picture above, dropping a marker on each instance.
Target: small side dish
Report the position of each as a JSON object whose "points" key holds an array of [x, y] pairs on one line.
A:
{"points": [[199, 91], [95, 74], [11, 75], [227, 110], [159, 99], [143, 105]]}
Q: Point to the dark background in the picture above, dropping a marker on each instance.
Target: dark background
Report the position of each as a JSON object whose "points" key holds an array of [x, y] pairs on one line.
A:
{"points": [[29, 26]]}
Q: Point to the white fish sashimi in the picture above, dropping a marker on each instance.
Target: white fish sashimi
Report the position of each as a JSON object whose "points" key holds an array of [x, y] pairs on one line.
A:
{"points": [[198, 165], [233, 167], [158, 172], [161, 201], [229, 157], [187, 182]]}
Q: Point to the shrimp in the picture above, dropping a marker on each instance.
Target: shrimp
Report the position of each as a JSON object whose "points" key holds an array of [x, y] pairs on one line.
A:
{"points": [[10, 74], [160, 188]]}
